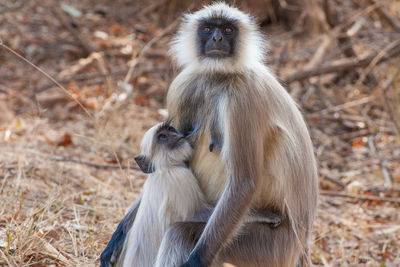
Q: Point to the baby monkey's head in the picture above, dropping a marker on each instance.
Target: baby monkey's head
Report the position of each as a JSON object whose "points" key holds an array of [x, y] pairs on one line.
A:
{"points": [[162, 147]]}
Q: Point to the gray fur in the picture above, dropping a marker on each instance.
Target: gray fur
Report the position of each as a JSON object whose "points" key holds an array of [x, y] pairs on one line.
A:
{"points": [[170, 194], [163, 202], [266, 160]]}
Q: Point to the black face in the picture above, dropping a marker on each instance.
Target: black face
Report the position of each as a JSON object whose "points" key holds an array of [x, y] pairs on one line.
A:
{"points": [[169, 136], [217, 38]]}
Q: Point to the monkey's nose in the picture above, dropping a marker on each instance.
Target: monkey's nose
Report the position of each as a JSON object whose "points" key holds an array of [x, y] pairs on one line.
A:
{"points": [[217, 36]]}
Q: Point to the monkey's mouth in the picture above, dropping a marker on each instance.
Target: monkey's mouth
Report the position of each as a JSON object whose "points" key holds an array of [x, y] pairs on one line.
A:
{"points": [[217, 53]]}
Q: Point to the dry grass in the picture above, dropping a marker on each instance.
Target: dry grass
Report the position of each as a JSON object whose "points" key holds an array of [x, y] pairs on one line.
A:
{"points": [[64, 213]]}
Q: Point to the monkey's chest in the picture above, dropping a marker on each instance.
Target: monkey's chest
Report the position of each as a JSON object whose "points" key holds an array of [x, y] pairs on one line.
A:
{"points": [[200, 110], [209, 169]]}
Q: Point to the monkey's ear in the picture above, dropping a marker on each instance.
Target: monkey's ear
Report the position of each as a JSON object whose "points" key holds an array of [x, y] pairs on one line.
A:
{"points": [[144, 163]]}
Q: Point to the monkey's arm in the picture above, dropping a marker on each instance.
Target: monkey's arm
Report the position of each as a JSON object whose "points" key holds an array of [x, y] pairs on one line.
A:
{"points": [[243, 152], [111, 253]]}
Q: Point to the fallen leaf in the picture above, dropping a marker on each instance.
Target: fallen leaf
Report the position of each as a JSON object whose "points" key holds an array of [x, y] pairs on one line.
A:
{"points": [[66, 140], [142, 100], [116, 28]]}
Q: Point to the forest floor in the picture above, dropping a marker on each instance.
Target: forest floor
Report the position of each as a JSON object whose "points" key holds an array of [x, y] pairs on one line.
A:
{"points": [[65, 180]]}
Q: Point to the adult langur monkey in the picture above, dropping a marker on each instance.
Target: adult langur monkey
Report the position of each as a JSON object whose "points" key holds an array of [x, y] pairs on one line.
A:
{"points": [[261, 158]]}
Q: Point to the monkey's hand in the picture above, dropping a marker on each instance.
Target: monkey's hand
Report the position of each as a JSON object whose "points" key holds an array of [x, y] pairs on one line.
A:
{"points": [[193, 261]]}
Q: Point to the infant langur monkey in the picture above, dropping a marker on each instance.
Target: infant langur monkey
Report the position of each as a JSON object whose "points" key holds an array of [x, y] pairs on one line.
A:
{"points": [[170, 194]]}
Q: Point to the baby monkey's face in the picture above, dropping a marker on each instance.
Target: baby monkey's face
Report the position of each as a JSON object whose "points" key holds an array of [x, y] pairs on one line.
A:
{"points": [[167, 137], [163, 146]]}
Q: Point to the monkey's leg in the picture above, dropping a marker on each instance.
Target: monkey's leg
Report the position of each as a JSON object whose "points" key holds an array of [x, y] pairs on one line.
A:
{"points": [[256, 245], [177, 243], [110, 254]]}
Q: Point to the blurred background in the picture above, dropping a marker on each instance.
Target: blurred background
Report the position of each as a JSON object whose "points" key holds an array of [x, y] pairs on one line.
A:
{"points": [[66, 170]]}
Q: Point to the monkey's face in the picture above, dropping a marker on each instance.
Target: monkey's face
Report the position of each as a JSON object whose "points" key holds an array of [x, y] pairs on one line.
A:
{"points": [[163, 146], [217, 37], [168, 138]]}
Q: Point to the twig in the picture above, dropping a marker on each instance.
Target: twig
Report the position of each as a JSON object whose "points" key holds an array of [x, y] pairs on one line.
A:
{"points": [[150, 8], [102, 66], [95, 57], [47, 76], [386, 175], [382, 12], [351, 135], [344, 65], [346, 105], [375, 61], [81, 77], [335, 181], [94, 165], [14, 6], [88, 76], [360, 197], [386, 100], [136, 58], [83, 42], [320, 53]]}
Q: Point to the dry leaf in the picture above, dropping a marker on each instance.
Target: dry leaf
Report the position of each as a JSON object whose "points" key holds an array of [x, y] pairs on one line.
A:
{"points": [[66, 140]]}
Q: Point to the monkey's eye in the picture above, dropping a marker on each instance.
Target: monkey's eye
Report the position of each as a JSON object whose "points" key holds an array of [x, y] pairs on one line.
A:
{"points": [[228, 30], [206, 29], [162, 137], [171, 129]]}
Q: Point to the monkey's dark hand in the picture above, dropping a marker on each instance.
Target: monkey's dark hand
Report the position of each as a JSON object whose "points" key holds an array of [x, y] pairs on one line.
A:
{"points": [[215, 144], [193, 262]]}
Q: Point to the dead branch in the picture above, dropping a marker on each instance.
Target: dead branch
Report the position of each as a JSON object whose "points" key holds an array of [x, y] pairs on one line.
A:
{"points": [[83, 63], [375, 61], [351, 135], [137, 57], [382, 12], [14, 6], [82, 40], [81, 77], [329, 177], [95, 165], [47, 76], [359, 197], [388, 107], [374, 152], [346, 105], [88, 76], [345, 65]]}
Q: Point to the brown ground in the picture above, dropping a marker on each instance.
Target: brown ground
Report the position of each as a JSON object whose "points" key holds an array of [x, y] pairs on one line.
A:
{"points": [[58, 210]]}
